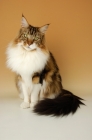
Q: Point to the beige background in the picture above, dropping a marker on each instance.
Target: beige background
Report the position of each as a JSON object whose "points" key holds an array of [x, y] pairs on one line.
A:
{"points": [[69, 37]]}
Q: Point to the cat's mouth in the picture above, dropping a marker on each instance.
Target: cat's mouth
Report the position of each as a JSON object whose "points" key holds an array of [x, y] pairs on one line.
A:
{"points": [[31, 47]]}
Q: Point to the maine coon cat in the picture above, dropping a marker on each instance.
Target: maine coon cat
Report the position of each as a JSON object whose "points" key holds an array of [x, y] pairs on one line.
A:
{"points": [[37, 74]]}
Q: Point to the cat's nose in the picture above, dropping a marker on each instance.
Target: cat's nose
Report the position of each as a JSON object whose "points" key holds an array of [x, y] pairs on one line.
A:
{"points": [[29, 42]]}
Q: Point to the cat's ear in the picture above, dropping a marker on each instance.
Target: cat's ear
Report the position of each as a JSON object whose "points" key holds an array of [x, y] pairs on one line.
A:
{"points": [[44, 28], [24, 22]]}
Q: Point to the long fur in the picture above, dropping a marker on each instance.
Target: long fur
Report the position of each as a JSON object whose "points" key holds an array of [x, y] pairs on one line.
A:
{"points": [[38, 79], [62, 105]]}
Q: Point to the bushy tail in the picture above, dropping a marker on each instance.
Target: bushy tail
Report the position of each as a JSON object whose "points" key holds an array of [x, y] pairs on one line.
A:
{"points": [[60, 106]]}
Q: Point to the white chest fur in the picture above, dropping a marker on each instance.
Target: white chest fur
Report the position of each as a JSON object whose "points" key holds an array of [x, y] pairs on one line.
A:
{"points": [[24, 62]]}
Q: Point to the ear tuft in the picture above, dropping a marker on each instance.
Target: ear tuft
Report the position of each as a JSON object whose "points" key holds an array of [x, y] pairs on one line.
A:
{"points": [[44, 28], [24, 22]]}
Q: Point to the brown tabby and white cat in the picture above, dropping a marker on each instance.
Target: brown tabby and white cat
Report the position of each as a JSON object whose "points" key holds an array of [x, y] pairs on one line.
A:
{"points": [[37, 74]]}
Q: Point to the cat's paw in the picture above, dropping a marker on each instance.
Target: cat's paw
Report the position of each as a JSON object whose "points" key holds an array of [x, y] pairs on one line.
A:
{"points": [[25, 105], [32, 105]]}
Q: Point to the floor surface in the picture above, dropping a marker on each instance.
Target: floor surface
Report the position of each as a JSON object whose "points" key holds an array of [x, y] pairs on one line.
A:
{"points": [[23, 124]]}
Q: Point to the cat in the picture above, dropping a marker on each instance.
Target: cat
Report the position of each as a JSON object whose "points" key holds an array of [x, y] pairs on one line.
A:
{"points": [[37, 74]]}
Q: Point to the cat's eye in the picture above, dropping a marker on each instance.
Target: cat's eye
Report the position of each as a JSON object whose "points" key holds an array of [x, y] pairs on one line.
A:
{"points": [[36, 38], [24, 35]]}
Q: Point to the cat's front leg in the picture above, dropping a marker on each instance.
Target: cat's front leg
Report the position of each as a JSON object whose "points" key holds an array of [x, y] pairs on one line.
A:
{"points": [[35, 94], [26, 103]]}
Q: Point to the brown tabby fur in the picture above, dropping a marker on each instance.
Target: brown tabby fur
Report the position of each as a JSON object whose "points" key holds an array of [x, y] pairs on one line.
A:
{"points": [[64, 101]]}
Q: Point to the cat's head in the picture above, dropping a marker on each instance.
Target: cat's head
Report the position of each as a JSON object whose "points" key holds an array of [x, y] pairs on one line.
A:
{"points": [[31, 37]]}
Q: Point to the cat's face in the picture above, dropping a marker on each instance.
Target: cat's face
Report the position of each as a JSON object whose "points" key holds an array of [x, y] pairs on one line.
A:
{"points": [[29, 37]]}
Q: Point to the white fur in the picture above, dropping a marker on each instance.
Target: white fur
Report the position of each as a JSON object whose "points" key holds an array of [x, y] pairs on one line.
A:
{"points": [[20, 90], [35, 94], [21, 95], [24, 61]]}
